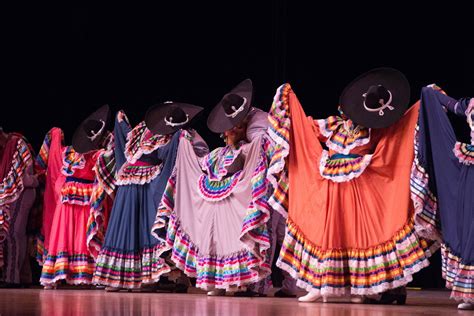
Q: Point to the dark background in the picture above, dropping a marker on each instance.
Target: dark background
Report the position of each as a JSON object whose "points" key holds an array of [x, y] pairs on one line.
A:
{"points": [[60, 62]]}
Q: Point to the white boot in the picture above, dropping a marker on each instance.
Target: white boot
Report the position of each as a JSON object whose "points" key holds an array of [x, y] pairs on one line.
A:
{"points": [[310, 297], [466, 306], [216, 292]]}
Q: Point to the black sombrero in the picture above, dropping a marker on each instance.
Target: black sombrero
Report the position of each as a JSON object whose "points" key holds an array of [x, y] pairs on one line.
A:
{"points": [[90, 134], [168, 117], [377, 98], [232, 109]]}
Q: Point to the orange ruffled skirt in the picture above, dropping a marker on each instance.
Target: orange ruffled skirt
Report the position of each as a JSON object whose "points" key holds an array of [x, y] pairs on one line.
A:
{"points": [[355, 236]]}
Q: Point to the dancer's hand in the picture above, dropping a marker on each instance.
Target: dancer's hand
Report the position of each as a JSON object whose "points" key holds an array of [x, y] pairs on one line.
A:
{"points": [[120, 116]]}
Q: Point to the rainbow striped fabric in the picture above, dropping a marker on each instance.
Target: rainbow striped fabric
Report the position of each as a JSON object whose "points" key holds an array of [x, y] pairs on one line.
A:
{"points": [[103, 190], [73, 268], [12, 185], [141, 141], [464, 152], [216, 162], [341, 168], [356, 271], [141, 267], [95, 224], [342, 135], [72, 160], [137, 173], [41, 161], [78, 193], [458, 275], [218, 189], [279, 133], [105, 168], [426, 222]]}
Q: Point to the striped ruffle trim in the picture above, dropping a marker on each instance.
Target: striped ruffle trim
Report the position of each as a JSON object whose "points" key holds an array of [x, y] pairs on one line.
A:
{"points": [[73, 269], [217, 190], [129, 270], [76, 193], [425, 203], [41, 161], [137, 174], [11, 186], [338, 139], [254, 227], [342, 169], [140, 141], [105, 169], [216, 162], [72, 160], [96, 222], [464, 153], [223, 272], [459, 276], [354, 271], [103, 190], [279, 133]]}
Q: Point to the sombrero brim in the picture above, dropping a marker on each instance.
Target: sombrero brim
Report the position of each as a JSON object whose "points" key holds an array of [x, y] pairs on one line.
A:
{"points": [[352, 100], [217, 120], [80, 142], [155, 117]]}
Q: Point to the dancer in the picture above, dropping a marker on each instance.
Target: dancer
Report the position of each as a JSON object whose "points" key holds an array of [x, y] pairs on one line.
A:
{"points": [[350, 229], [70, 185], [254, 124], [17, 195], [130, 257], [215, 209], [442, 184]]}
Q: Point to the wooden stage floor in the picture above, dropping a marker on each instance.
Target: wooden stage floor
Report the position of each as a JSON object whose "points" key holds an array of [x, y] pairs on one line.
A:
{"points": [[98, 302]]}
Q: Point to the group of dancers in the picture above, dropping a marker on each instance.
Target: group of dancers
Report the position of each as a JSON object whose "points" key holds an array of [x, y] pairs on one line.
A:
{"points": [[357, 202]]}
